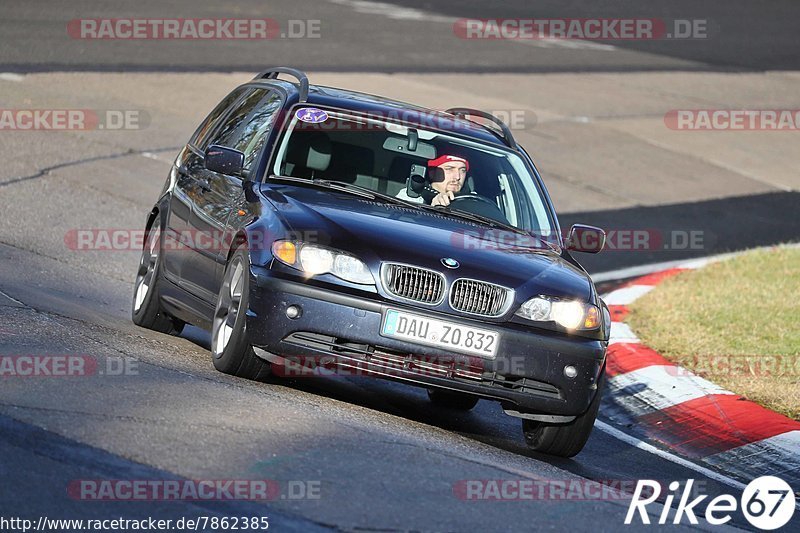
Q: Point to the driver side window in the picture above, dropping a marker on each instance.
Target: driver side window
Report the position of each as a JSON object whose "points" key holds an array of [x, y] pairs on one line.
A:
{"points": [[247, 126], [201, 135]]}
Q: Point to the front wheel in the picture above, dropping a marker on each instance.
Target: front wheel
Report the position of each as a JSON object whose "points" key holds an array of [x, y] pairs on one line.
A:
{"points": [[564, 440], [231, 352]]}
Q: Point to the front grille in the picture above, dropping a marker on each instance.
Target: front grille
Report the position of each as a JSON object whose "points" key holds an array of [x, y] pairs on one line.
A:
{"points": [[413, 283], [479, 297], [363, 359]]}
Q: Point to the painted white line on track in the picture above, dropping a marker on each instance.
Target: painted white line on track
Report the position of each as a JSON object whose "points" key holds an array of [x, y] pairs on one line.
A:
{"points": [[627, 295], [151, 155], [663, 386], [635, 272], [396, 12], [392, 11], [777, 455], [621, 332], [789, 442], [570, 44], [696, 263], [641, 445], [4, 295], [636, 443], [11, 76]]}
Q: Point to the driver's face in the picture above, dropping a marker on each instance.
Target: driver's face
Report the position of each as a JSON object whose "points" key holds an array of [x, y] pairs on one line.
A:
{"points": [[454, 176]]}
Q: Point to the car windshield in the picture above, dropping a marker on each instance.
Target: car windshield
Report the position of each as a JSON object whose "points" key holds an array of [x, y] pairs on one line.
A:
{"points": [[392, 159]]}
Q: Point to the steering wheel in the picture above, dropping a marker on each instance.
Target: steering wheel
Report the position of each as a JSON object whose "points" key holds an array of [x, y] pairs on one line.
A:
{"points": [[478, 205], [472, 197]]}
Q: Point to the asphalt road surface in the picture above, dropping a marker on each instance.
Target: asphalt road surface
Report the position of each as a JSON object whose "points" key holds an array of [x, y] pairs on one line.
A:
{"points": [[348, 453], [405, 36]]}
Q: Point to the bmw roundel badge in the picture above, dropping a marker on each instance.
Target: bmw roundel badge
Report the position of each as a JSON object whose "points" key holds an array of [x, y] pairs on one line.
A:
{"points": [[449, 262]]}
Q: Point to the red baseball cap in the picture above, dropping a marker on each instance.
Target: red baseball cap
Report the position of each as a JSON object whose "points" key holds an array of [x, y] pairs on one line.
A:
{"points": [[442, 159]]}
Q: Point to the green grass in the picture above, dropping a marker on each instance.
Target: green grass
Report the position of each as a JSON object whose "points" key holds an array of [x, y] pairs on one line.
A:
{"points": [[736, 323]]}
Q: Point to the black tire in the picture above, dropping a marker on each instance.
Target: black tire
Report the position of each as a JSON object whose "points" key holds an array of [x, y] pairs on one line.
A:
{"points": [[146, 308], [230, 350], [564, 440], [452, 400]]}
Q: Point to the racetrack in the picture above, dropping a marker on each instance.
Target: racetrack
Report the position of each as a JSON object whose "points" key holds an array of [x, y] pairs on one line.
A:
{"points": [[408, 36], [383, 457]]}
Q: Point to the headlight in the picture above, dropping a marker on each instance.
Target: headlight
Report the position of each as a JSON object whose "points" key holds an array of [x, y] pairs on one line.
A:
{"points": [[315, 260], [570, 314], [352, 269]]}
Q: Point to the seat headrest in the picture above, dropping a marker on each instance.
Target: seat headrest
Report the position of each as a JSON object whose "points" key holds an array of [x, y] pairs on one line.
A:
{"points": [[400, 168], [319, 152]]}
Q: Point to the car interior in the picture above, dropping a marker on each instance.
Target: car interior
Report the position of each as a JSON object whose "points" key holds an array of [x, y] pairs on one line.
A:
{"points": [[380, 160], [354, 157]]}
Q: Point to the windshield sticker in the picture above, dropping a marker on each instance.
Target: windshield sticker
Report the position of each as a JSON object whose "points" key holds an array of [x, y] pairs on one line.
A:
{"points": [[311, 115]]}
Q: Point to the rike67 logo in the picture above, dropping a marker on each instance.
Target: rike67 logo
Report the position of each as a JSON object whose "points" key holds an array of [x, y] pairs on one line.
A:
{"points": [[767, 503]]}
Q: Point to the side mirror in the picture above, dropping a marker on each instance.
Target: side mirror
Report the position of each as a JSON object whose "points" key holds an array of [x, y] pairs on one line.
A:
{"points": [[587, 239], [224, 160]]}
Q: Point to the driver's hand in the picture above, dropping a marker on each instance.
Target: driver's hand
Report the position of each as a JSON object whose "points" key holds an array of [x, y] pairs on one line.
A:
{"points": [[443, 198]]}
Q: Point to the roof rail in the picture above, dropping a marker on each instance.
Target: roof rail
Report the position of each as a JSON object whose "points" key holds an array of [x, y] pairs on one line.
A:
{"points": [[272, 73], [465, 112]]}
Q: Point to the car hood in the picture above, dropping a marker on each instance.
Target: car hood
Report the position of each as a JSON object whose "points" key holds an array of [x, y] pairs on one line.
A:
{"points": [[377, 232]]}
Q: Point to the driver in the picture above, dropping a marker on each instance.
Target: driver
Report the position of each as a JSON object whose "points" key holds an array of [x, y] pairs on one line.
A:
{"points": [[447, 177], [447, 174]]}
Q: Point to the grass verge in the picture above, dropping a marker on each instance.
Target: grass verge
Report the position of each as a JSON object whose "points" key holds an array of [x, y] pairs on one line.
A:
{"points": [[735, 322]]}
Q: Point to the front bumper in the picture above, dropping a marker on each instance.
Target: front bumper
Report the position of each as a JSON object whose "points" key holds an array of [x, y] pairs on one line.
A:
{"points": [[527, 374]]}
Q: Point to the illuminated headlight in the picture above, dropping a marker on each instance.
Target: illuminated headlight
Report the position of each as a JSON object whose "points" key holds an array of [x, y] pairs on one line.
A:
{"points": [[570, 314], [315, 260]]}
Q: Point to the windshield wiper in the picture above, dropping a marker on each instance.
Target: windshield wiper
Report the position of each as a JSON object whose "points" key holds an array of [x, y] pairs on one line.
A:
{"points": [[480, 218], [353, 189], [543, 243], [326, 184], [375, 195]]}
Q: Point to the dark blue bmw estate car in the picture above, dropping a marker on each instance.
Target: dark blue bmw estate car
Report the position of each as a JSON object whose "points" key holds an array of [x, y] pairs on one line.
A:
{"points": [[309, 227]]}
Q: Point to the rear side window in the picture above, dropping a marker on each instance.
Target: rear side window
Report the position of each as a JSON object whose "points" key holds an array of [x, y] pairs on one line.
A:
{"points": [[200, 137]]}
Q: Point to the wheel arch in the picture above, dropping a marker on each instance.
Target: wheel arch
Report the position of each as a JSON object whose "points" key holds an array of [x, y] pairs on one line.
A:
{"points": [[257, 240]]}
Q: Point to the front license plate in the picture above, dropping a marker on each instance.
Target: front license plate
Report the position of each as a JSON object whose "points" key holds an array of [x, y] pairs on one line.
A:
{"points": [[439, 333]]}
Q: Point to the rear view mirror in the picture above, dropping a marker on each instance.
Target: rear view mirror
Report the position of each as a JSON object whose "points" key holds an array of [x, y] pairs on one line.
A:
{"points": [[403, 145], [587, 239], [224, 160]]}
